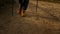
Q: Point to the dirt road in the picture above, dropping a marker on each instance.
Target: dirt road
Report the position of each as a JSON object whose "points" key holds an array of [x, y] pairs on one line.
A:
{"points": [[45, 21]]}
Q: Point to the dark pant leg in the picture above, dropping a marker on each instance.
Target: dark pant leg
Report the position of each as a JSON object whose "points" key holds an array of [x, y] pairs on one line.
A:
{"points": [[25, 4], [20, 1]]}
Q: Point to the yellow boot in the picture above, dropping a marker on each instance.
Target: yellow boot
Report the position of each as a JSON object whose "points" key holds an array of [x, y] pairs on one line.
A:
{"points": [[23, 13]]}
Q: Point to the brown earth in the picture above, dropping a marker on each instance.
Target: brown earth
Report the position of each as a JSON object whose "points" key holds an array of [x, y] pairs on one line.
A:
{"points": [[45, 21]]}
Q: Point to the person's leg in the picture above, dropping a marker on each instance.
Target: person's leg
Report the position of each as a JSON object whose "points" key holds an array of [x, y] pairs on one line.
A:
{"points": [[20, 10], [21, 6], [25, 6]]}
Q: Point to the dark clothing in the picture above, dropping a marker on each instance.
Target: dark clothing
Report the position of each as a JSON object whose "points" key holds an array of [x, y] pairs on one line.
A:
{"points": [[24, 4]]}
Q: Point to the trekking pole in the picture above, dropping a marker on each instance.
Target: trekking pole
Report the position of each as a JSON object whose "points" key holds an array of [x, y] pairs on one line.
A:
{"points": [[12, 6], [36, 9]]}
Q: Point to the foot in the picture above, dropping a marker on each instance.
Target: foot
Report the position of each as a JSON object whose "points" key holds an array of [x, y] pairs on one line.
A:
{"points": [[23, 14], [19, 12]]}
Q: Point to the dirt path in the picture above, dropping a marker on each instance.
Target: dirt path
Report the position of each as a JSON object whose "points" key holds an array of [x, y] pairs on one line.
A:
{"points": [[48, 21]]}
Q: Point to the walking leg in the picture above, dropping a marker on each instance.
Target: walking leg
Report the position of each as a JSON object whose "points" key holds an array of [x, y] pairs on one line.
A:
{"points": [[20, 10]]}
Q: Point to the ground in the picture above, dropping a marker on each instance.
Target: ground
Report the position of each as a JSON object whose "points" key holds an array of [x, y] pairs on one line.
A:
{"points": [[45, 21]]}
